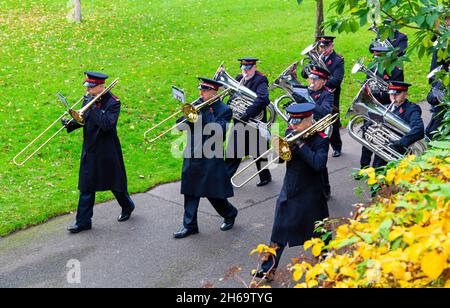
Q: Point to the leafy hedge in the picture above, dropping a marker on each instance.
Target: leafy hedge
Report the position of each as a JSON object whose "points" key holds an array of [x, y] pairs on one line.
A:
{"points": [[402, 239]]}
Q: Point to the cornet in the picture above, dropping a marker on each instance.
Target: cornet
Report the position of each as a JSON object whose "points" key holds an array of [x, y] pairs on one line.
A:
{"points": [[76, 115], [282, 146]]}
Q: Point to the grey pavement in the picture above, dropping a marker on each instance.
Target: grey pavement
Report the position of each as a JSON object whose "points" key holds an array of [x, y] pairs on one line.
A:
{"points": [[142, 252]]}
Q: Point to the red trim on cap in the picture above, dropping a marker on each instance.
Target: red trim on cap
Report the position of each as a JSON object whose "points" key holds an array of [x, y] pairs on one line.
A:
{"points": [[301, 115], [96, 81], [248, 62], [213, 87], [399, 88], [320, 74]]}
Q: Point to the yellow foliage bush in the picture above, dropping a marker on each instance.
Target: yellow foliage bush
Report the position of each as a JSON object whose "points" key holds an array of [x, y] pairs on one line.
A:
{"points": [[402, 239]]}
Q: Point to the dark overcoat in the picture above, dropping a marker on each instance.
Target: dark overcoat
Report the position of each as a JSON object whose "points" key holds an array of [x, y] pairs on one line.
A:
{"points": [[260, 85], [412, 115], [101, 167], [205, 175], [301, 202], [438, 110], [335, 64], [324, 99]]}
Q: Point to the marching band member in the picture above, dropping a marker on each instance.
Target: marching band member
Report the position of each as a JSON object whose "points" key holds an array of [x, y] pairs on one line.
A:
{"points": [[101, 167], [399, 40], [205, 177], [335, 65], [258, 83], [407, 111], [324, 99], [301, 202], [381, 96]]}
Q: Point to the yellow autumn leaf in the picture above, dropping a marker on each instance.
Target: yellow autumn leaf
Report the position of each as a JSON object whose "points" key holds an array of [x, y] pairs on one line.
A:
{"points": [[433, 264], [317, 250], [298, 274]]}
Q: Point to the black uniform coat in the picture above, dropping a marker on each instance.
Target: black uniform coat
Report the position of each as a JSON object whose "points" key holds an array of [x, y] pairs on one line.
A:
{"points": [[400, 40], [335, 64], [206, 177], [101, 167], [438, 110], [412, 115], [301, 202], [324, 100], [260, 85]]}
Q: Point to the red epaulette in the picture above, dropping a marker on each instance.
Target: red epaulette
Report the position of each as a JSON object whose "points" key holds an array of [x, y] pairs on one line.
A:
{"points": [[323, 135], [259, 73], [115, 98], [341, 56], [329, 90]]}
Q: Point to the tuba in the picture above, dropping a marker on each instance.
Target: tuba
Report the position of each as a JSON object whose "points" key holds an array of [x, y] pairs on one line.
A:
{"points": [[314, 58], [242, 98], [374, 82], [288, 82], [374, 126], [377, 42]]}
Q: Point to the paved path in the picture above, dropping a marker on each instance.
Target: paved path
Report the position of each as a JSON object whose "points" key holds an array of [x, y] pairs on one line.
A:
{"points": [[142, 253]]}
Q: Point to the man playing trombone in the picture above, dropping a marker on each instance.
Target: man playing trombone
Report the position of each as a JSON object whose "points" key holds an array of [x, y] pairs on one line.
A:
{"points": [[324, 99], [101, 167], [240, 144], [203, 175], [301, 202]]}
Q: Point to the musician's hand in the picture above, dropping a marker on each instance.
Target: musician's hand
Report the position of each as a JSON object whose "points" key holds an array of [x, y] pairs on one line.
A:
{"points": [[65, 121], [397, 145]]}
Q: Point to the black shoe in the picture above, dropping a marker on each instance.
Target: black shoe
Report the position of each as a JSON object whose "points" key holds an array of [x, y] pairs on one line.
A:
{"points": [[183, 232], [228, 224], [337, 153], [125, 215], [264, 182], [77, 229]]}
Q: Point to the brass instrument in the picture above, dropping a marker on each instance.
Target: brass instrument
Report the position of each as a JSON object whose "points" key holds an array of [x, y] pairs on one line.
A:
{"points": [[282, 146], [242, 98], [288, 82], [381, 128], [190, 111], [315, 58], [375, 82], [77, 116], [377, 42]]}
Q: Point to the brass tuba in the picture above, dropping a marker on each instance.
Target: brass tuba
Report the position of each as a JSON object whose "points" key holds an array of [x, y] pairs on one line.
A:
{"points": [[381, 126], [242, 98], [375, 82], [314, 58]]}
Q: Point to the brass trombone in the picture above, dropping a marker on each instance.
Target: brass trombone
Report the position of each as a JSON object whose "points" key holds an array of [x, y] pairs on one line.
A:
{"points": [[190, 111], [77, 116], [282, 146]]}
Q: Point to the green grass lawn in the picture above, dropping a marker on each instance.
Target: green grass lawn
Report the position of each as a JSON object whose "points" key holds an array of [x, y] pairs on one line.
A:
{"points": [[150, 45]]}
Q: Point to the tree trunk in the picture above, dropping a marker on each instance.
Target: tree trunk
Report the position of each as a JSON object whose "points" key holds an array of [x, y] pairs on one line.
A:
{"points": [[77, 10], [319, 18]]}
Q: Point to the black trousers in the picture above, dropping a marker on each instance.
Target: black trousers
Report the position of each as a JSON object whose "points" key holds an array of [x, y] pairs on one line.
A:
{"points": [[222, 206], [366, 157], [86, 203], [326, 182], [335, 140], [233, 166]]}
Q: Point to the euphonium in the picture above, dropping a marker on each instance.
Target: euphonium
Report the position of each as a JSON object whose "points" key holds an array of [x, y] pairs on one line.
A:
{"points": [[375, 82], [381, 126], [315, 58], [242, 98]]}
